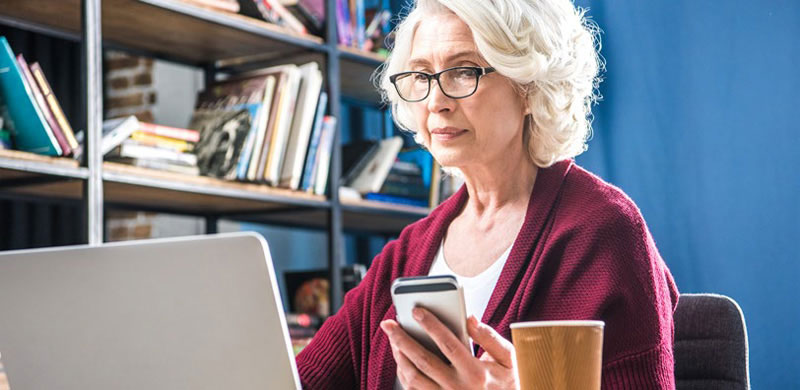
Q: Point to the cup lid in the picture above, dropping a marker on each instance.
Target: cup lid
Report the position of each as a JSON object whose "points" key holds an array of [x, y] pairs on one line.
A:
{"points": [[531, 324]]}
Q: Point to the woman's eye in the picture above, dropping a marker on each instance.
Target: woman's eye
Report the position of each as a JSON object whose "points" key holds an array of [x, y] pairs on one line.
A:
{"points": [[420, 78]]}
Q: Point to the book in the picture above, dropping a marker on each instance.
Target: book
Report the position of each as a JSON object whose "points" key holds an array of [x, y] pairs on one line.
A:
{"points": [[436, 180], [282, 128], [313, 148], [289, 20], [222, 139], [258, 9], [55, 106], [25, 121], [133, 149], [66, 150], [263, 154], [355, 157], [302, 123], [115, 131], [323, 161], [219, 5], [308, 13], [171, 132], [160, 165], [162, 142], [371, 178]]}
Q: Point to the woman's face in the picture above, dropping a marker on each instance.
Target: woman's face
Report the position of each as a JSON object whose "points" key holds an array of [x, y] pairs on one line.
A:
{"points": [[478, 129]]}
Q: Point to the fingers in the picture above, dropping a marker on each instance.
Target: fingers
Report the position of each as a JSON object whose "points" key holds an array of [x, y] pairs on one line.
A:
{"points": [[424, 360], [500, 349], [408, 374], [448, 343]]}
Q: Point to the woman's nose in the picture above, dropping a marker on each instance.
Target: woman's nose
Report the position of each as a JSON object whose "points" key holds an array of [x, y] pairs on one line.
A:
{"points": [[437, 100]]}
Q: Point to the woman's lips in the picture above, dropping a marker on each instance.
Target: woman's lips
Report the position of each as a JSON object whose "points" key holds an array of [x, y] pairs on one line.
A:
{"points": [[447, 133]]}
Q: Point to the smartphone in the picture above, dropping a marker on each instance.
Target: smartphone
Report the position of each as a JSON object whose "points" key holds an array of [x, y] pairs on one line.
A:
{"points": [[442, 296]]}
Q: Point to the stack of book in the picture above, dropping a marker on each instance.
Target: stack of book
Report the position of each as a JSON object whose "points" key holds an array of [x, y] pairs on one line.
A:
{"points": [[31, 114], [267, 126], [159, 147]]}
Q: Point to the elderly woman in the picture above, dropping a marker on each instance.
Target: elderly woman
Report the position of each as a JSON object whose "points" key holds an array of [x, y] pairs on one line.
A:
{"points": [[500, 92]]}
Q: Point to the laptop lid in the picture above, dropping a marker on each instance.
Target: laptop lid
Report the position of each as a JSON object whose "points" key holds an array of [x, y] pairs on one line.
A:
{"points": [[194, 313]]}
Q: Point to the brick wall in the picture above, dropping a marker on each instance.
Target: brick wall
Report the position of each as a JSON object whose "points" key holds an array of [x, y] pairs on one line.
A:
{"points": [[129, 91], [129, 86]]}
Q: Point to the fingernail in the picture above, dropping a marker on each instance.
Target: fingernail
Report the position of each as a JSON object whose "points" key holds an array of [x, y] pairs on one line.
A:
{"points": [[418, 314]]}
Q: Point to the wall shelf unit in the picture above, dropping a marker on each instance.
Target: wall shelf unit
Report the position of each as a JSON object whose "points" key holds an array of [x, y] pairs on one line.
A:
{"points": [[216, 42]]}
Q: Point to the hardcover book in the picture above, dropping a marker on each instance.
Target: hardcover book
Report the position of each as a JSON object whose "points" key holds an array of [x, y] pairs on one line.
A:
{"points": [[26, 122]]}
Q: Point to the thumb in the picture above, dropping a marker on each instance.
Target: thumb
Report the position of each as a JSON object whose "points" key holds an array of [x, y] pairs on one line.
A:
{"points": [[500, 349]]}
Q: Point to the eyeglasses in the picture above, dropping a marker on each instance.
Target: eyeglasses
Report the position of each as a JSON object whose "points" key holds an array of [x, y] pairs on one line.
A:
{"points": [[455, 83]]}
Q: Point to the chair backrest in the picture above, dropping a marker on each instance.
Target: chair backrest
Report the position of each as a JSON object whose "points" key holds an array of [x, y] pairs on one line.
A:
{"points": [[710, 343]]}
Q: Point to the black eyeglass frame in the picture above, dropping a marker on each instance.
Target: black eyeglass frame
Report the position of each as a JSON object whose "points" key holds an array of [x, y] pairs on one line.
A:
{"points": [[479, 72]]}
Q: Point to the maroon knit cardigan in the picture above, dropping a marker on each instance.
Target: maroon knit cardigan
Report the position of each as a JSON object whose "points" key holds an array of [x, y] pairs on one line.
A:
{"points": [[583, 253]]}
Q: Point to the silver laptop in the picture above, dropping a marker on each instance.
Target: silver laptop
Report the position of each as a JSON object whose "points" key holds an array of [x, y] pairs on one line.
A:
{"points": [[187, 313]]}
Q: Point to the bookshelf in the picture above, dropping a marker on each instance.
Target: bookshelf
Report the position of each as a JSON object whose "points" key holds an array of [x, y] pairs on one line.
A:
{"points": [[216, 42]]}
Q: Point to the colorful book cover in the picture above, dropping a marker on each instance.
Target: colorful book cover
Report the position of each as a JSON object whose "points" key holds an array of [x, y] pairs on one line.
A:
{"points": [[55, 107], [25, 120], [66, 150]]}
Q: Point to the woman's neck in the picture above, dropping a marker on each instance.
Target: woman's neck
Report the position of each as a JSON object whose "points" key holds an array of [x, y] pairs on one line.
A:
{"points": [[496, 186]]}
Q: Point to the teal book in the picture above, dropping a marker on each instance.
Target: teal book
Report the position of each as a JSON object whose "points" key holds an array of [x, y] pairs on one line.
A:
{"points": [[25, 120]]}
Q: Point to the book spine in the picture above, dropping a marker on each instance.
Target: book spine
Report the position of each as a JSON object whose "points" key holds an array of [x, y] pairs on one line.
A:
{"points": [[162, 142], [308, 169], [324, 161], [135, 150], [39, 100], [286, 16], [55, 107], [360, 23], [170, 132]]}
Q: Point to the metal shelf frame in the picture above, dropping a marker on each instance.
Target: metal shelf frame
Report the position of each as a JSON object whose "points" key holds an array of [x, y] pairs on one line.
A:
{"points": [[94, 178]]}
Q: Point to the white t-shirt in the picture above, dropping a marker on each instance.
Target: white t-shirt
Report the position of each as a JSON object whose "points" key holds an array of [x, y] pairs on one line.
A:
{"points": [[477, 289]]}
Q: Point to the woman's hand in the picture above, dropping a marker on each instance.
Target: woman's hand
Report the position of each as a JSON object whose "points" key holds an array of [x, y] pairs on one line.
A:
{"points": [[418, 368]]}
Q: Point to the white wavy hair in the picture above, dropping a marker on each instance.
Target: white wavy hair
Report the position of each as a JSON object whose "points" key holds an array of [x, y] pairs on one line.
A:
{"points": [[548, 48]]}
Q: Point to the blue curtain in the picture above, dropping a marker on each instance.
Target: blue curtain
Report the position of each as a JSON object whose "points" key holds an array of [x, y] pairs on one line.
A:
{"points": [[698, 126]]}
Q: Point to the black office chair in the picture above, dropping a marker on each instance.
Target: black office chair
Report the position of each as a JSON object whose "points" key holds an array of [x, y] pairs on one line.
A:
{"points": [[710, 344]]}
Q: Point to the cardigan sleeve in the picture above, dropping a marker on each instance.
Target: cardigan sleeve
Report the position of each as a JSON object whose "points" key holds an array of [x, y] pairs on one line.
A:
{"points": [[602, 263], [335, 357]]}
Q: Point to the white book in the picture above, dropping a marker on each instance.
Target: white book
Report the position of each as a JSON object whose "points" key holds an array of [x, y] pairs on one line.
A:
{"points": [[283, 126], [264, 113], [134, 150], [324, 155], [371, 178], [114, 132], [302, 123]]}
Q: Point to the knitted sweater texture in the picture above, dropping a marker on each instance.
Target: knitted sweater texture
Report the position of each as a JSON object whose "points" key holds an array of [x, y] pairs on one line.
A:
{"points": [[583, 253]]}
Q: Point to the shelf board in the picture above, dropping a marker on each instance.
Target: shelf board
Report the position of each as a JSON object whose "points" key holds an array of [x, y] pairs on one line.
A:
{"points": [[15, 164], [357, 67], [130, 186], [29, 175], [166, 28]]}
